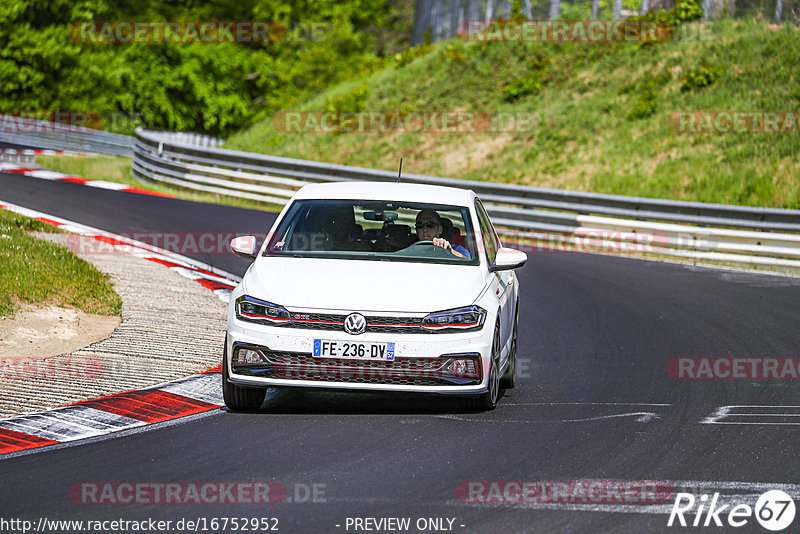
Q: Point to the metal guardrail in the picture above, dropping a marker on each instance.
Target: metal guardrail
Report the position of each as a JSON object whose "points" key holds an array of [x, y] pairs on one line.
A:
{"points": [[57, 136], [41, 134], [188, 138], [737, 234]]}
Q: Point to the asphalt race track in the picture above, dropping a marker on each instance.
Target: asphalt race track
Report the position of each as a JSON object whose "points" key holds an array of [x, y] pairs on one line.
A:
{"points": [[594, 402]]}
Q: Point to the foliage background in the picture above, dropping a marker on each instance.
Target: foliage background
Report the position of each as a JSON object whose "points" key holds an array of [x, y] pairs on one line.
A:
{"points": [[211, 88]]}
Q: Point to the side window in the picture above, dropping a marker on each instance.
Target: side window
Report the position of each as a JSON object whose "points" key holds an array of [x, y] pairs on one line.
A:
{"points": [[490, 240]]}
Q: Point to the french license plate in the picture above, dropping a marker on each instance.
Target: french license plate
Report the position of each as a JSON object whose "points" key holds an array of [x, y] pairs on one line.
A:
{"points": [[324, 348]]}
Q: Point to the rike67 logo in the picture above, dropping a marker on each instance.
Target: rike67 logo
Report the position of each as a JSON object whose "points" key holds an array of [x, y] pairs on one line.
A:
{"points": [[774, 510]]}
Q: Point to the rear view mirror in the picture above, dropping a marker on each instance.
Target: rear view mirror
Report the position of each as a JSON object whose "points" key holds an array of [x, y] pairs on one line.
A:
{"points": [[380, 216], [244, 246]]}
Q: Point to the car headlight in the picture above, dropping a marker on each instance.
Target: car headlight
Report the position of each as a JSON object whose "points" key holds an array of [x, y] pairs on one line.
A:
{"points": [[259, 311], [459, 319]]}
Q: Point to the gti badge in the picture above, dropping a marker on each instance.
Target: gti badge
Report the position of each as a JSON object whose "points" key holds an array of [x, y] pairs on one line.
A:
{"points": [[355, 324]]}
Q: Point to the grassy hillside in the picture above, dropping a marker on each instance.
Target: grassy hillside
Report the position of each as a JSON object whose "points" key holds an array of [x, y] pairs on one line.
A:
{"points": [[603, 115]]}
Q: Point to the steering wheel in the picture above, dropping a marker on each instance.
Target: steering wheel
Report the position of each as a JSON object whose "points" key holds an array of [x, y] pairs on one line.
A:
{"points": [[436, 252]]}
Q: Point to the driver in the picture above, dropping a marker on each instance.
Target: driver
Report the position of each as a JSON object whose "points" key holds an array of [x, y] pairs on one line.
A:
{"points": [[429, 228]]}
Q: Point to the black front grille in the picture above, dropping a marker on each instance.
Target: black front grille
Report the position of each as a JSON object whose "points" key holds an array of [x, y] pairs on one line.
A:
{"points": [[328, 321], [402, 371]]}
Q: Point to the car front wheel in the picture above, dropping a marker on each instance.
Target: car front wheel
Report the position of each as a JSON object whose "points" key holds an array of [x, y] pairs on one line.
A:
{"points": [[488, 401], [510, 377], [238, 398]]}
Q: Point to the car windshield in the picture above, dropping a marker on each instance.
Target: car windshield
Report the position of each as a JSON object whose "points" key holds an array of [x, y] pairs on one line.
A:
{"points": [[375, 230]]}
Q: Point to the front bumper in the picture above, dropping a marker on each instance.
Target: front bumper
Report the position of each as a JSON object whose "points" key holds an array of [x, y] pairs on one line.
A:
{"points": [[287, 360]]}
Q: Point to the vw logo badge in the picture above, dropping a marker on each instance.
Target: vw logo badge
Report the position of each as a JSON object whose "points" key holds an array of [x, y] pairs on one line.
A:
{"points": [[355, 324]]}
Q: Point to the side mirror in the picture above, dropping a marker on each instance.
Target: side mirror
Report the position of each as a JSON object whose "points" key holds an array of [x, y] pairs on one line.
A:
{"points": [[244, 246], [508, 258]]}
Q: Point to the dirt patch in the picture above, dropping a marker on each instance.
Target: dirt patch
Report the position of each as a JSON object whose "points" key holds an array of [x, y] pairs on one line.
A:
{"points": [[42, 332], [473, 153]]}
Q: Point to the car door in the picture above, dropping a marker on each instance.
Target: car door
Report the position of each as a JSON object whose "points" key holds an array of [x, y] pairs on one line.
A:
{"points": [[502, 285]]}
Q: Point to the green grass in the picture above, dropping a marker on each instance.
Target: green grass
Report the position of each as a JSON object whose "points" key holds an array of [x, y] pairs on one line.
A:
{"points": [[40, 272], [118, 169], [602, 115]]}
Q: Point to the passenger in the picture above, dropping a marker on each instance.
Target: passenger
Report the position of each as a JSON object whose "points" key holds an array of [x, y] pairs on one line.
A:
{"points": [[429, 228]]}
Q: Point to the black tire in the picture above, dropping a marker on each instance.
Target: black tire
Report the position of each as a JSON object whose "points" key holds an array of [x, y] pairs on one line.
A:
{"points": [[509, 379], [488, 401], [238, 398]]}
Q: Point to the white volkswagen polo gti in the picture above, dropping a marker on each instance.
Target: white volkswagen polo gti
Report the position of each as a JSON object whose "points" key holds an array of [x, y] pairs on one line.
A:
{"points": [[375, 286]]}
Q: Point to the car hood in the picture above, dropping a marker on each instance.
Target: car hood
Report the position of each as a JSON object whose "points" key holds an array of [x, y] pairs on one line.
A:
{"points": [[379, 286]]}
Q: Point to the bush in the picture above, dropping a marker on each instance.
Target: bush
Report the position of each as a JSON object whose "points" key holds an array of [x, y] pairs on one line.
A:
{"points": [[401, 59], [702, 76], [668, 21], [644, 106], [351, 101], [453, 53], [687, 10], [530, 83]]}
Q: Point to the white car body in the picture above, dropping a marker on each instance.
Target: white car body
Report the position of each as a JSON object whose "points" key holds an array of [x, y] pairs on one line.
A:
{"points": [[324, 288]]}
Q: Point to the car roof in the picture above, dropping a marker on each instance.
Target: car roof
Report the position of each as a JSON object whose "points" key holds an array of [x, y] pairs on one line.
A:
{"points": [[433, 194]]}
